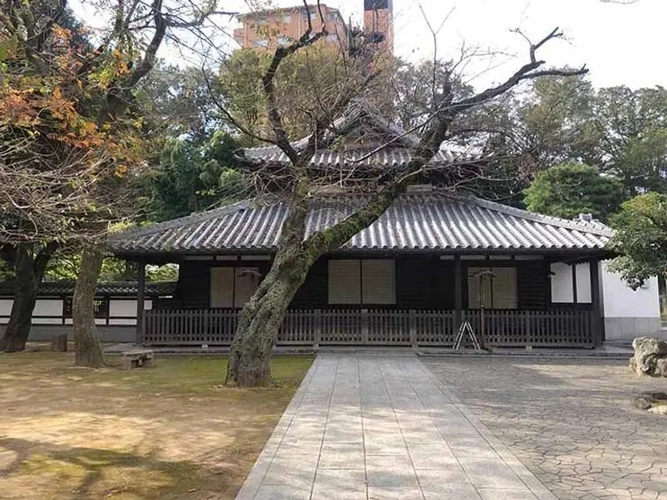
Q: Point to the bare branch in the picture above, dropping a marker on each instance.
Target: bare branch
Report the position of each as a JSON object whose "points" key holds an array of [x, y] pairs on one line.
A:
{"points": [[268, 82]]}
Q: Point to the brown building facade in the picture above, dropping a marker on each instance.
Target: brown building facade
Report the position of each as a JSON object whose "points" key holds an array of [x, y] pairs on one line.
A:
{"points": [[270, 28], [379, 18]]}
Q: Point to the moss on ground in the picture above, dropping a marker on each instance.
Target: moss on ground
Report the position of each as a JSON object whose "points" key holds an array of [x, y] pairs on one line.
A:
{"points": [[171, 431]]}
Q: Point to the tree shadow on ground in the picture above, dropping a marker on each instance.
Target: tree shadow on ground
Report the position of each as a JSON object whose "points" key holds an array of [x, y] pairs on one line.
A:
{"points": [[81, 472]]}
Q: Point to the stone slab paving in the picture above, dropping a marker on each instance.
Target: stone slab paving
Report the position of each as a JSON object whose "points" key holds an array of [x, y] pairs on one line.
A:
{"points": [[373, 426], [569, 421]]}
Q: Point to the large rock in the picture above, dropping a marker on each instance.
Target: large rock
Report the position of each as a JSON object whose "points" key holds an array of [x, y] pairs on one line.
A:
{"points": [[650, 357]]}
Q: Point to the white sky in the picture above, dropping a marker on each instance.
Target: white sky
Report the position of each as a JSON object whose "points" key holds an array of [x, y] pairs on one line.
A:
{"points": [[620, 44]]}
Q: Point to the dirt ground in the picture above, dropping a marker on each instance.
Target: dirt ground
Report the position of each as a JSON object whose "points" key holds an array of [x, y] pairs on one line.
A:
{"points": [[166, 432]]}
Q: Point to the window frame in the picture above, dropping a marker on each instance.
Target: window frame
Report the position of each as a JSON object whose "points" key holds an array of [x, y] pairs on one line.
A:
{"points": [[363, 300], [482, 268], [236, 271]]}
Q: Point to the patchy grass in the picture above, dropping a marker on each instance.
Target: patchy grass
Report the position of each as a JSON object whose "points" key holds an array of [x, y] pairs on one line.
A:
{"points": [[172, 431]]}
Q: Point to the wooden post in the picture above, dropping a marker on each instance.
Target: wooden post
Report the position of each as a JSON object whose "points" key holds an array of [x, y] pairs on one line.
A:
{"points": [[458, 293], [141, 295], [597, 324], [412, 322], [59, 343], [575, 294], [318, 329], [364, 326]]}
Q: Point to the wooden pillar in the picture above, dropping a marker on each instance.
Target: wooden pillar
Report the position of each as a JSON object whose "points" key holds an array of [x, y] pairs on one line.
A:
{"points": [[575, 294], [412, 326], [141, 295], [458, 293], [597, 321], [318, 329]]}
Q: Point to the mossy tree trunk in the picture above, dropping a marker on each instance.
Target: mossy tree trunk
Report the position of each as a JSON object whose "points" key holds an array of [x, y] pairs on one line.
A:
{"points": [[88, 349], [261, 318], [249, 364], [29, 265]]}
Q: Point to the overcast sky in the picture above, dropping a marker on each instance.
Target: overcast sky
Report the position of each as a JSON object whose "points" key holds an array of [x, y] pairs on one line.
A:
{"points": [[620, 44]]}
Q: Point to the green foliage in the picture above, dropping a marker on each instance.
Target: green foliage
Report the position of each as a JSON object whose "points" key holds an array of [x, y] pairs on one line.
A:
{"points": [[307, 81], [412, 89], [176, 101], [570, 189], [633, 144], [6, 271], [194, 174], [641, 238], [65, 267], [557, 121]]}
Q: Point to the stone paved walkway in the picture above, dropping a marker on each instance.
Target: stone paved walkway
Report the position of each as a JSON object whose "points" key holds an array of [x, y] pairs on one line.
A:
{"points": [[380, 427], [569, 421]]}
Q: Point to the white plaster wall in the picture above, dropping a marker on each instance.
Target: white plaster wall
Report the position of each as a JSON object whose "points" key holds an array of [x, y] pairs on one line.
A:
{"points": [[621, 301], [121, 307], [54, 307], [48, 307], [584, 283], [118, 307], [5, 310], [628, 313], [561, 283]]}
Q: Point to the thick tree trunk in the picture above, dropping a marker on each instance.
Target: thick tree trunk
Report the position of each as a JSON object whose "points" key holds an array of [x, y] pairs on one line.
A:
{"points": [[29, 273], [88, 349], [250, 355]]}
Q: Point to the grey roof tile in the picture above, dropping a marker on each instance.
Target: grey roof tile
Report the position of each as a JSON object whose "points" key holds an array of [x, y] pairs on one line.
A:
{"points": [[421, 221], [116, 288], [359, 157]]}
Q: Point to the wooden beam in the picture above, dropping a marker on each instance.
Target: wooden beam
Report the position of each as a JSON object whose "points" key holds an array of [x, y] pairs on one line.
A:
{"points": [[596, 303], [458, 293], [141, 296]]}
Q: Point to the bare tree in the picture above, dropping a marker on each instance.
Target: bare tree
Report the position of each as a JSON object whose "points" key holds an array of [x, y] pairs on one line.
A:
{"points": [[67, 168], [263, 314]]}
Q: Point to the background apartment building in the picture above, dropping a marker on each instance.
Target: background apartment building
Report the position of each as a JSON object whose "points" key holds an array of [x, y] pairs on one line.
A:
{"points": [[270, 28]]}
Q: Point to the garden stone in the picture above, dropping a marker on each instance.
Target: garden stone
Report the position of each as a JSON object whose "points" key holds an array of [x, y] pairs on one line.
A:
{"points": [[650, 357], [655, 402], [661, 367]]}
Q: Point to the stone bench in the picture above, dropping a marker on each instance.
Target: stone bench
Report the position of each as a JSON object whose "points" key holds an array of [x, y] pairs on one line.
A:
{"points": [[136, 358]]}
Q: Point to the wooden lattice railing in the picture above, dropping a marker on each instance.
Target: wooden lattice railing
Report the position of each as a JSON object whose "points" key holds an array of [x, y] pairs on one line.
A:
{"points": [[215, 327]]}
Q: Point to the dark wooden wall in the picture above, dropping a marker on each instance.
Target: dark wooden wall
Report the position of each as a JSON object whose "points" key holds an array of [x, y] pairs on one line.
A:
{"points": [[193, 290], [194, 285], [422, 282], [533, 285]]}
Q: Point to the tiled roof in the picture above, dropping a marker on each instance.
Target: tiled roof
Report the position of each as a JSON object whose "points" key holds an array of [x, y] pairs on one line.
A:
{"points": [[359, 157], [417, 221], [118, 288], [389, 144]]}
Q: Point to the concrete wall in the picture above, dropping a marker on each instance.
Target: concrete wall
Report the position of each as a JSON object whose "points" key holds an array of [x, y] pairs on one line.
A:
{"points": [[628, 313]]}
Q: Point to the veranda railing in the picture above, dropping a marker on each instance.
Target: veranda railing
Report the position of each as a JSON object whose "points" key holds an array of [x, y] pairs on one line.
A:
{"points": [[507, 328]]}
